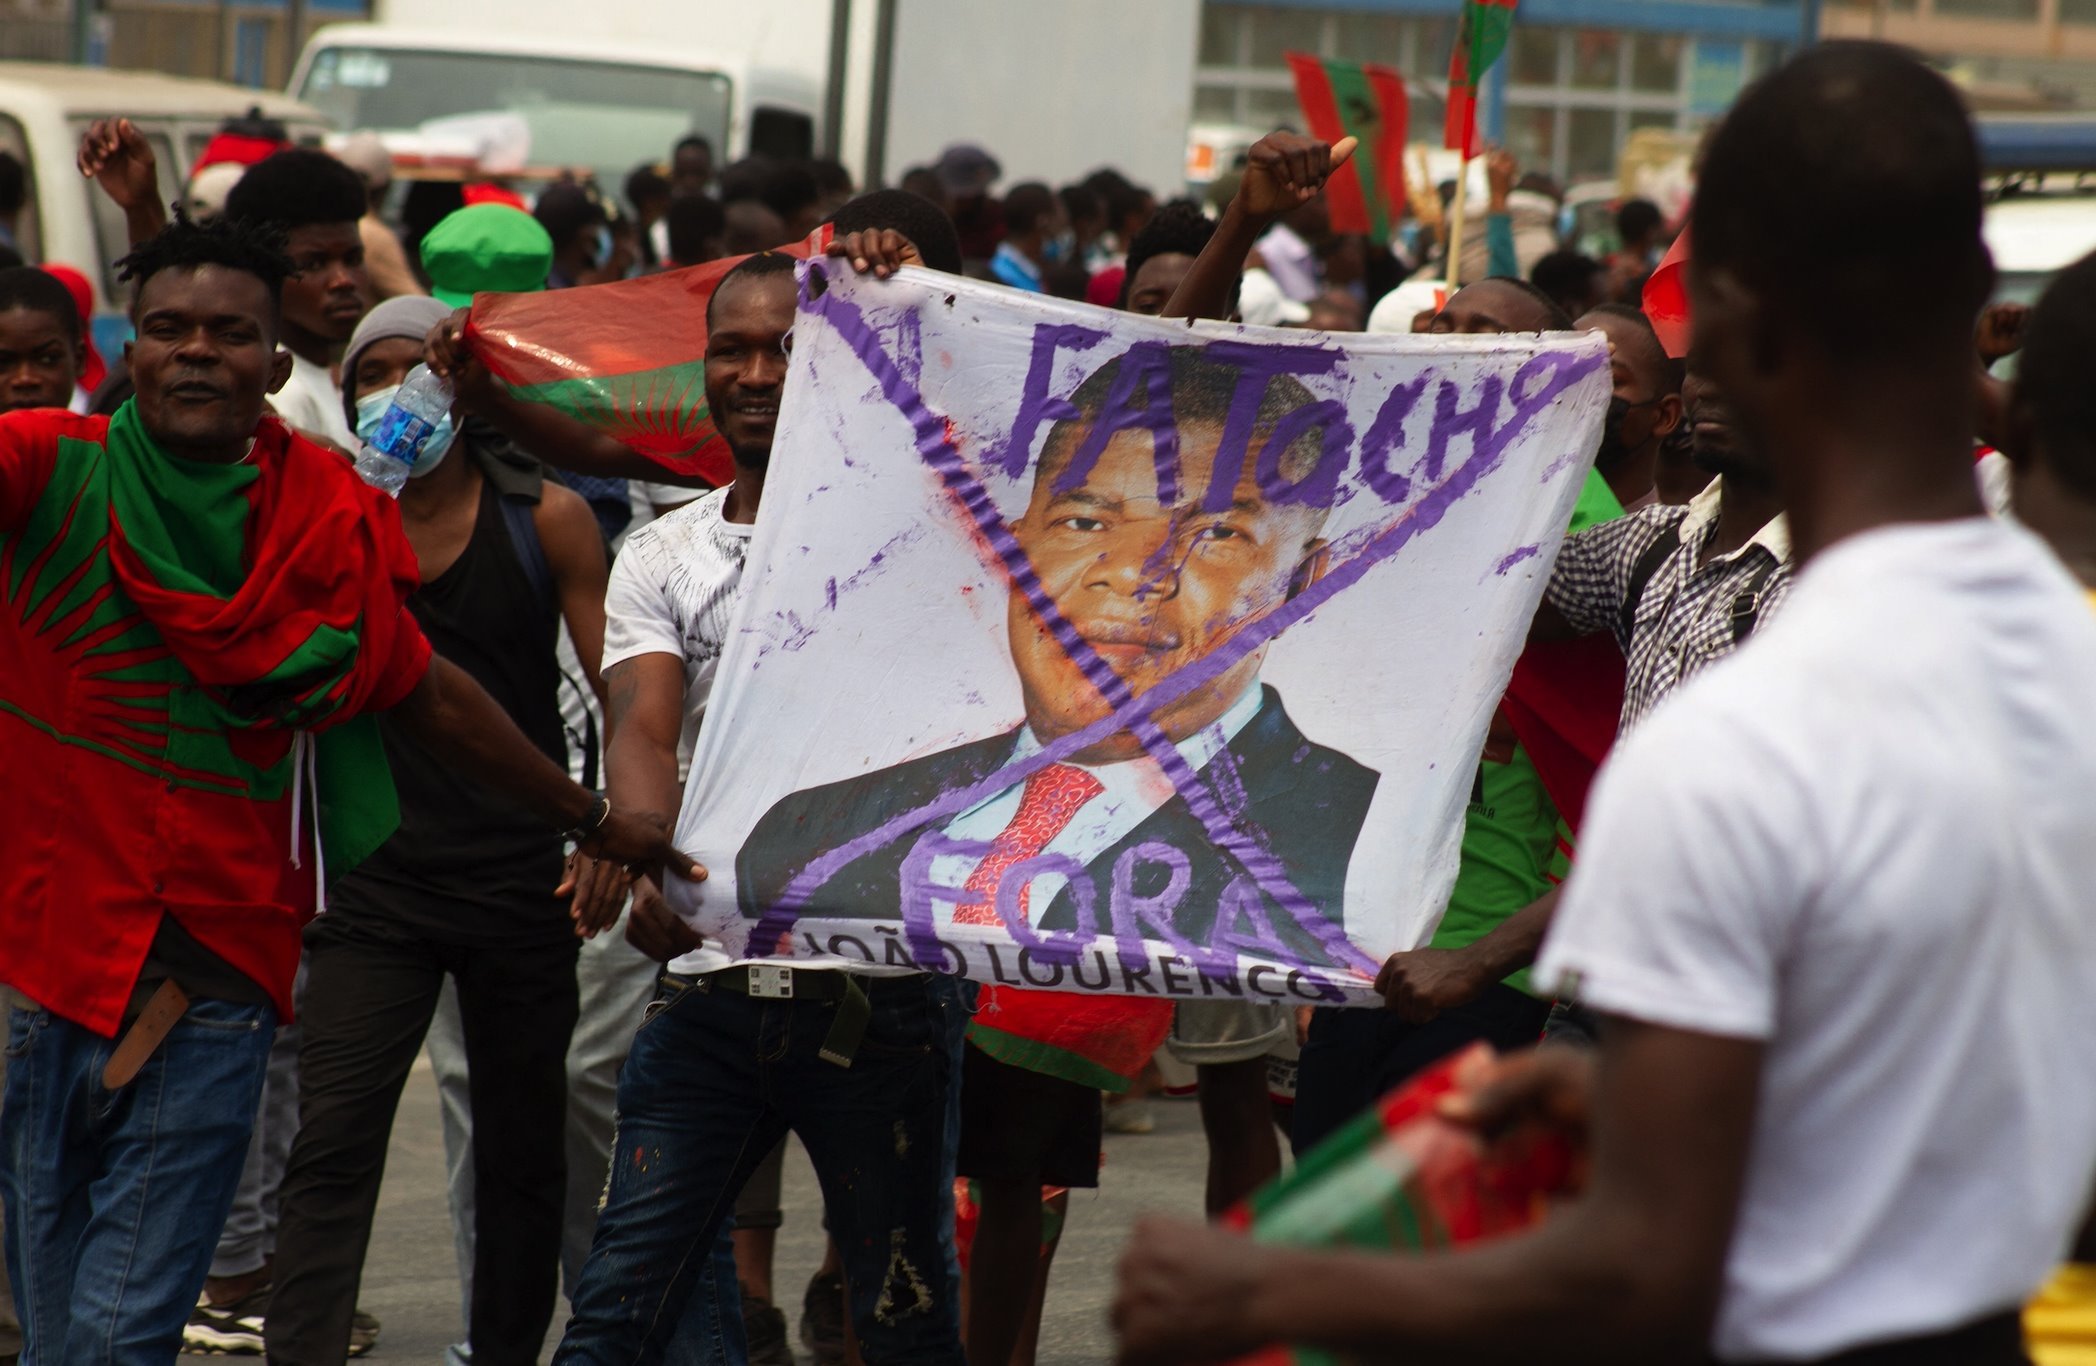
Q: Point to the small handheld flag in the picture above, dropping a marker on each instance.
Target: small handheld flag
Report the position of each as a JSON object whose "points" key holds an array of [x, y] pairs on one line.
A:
{"points": [[1367, 102], [1401, 1178], [1481, 35]]}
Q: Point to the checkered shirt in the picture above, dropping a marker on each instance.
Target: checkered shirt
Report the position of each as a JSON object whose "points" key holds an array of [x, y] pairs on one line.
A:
{"points": [[1685, 614]]}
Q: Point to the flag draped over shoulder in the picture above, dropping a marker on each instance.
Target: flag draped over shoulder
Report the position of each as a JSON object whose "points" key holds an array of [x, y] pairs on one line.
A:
{"points": [[628, 358], [1353, 99], [1481, 35], [271, 585]]}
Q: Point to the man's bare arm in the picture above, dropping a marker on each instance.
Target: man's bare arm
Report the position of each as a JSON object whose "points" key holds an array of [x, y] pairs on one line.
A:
{"points": [[117, 157], [574, 549], [1630, 1271], [452, 716], [640, 774], [546, 432], [1421, 983], [1282, 171]]}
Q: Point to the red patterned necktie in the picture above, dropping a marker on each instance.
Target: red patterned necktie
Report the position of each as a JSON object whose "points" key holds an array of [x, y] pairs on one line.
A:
{"points": [[1052, 797]]}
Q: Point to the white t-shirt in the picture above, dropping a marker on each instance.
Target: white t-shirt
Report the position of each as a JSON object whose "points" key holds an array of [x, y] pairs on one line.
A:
{"points": [[1865, 840], [673, 591], [311, 400]]}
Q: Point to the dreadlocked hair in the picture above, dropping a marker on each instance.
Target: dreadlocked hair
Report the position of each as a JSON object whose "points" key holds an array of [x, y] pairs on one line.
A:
{"points": [[254, 248]]}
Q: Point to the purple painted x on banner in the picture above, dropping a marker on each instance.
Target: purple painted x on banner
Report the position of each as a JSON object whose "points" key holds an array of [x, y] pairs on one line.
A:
{"points": [[1131, 713]]}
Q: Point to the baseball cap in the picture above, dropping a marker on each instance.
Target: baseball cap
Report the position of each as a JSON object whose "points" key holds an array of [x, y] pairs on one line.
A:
{"points": [[487, 248]]}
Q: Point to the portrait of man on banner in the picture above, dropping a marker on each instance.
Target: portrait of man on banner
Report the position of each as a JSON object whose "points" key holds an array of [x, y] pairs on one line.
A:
{"points": [[1158, 533]]}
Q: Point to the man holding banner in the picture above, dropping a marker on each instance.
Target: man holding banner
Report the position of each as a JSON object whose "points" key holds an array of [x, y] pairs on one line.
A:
{"points": [[856, 1059]]}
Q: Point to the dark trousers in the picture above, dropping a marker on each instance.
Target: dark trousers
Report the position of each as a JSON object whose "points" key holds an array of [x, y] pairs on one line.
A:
{"points": [[714, 1081], [370, 992], [1353, 1058]]}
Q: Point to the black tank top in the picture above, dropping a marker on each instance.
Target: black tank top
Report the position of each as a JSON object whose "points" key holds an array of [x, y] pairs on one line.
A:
{"points": [[468, 864]]}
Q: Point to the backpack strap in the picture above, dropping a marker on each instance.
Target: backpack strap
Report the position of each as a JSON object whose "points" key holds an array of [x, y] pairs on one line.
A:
{"points": [[524, 539], [1668, 541], [1746, 608], [531, 556]]}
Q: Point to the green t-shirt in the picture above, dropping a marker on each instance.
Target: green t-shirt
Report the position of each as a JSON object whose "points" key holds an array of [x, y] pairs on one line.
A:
{"points": [[1514, 841], [1510, 853]]}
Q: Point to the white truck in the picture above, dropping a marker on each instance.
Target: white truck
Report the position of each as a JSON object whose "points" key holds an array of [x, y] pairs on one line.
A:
{"points": [[1053, 91]]}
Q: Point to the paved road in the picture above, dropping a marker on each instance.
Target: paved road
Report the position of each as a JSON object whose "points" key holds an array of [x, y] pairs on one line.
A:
{"points": [[411, 1278]]}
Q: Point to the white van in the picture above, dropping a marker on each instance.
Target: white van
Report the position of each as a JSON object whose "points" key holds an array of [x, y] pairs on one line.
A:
{"points": [[44, 109], [571, 103]]}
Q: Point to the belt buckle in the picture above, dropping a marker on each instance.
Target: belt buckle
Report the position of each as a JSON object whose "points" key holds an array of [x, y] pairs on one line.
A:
{"points": [[771, 982]]}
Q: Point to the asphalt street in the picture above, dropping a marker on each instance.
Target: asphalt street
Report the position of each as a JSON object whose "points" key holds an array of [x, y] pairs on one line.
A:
{"points": [[411, 1276]]}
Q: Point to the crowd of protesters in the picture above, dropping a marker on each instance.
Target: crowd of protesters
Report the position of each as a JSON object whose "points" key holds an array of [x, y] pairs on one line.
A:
{"points": [[1813, 993]]}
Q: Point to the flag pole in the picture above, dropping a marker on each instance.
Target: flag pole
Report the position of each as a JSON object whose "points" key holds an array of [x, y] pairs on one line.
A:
{"points": [[1455, 228]]}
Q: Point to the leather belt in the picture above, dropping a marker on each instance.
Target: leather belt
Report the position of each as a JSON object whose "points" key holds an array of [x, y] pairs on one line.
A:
{"points": [[778, 982], [143, 1038]]}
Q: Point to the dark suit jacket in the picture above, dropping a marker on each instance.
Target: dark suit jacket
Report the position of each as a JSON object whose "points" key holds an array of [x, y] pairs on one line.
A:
{"points": [[1303, 802]]}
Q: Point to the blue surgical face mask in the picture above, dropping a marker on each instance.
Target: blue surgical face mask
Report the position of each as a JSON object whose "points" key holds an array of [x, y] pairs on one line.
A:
{"points": [[604, 243], [372, 407]]}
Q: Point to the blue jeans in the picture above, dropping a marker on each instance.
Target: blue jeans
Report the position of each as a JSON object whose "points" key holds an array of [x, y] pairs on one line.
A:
{"points": [[714, 1081], [115, 1199]]}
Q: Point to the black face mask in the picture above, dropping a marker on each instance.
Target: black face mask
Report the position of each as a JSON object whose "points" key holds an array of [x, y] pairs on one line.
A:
{"points": [[1614, 449]]}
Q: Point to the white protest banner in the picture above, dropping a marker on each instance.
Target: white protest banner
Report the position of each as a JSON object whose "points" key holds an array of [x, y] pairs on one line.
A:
{"points": [[1098, 652]]}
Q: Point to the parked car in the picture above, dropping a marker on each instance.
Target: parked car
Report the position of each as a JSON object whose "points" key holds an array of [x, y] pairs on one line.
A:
{"points": [[45, 107]]}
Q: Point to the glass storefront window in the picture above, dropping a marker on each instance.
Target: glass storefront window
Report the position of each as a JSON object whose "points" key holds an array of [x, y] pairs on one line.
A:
{"points": [[1591, 144], [1532, 136], [1534, 55], [1655, 62], [1275, 30], [1215, 104], [1574, 92], [1432, 41], [1990, 9], [1220, 25], [1369, 38], [1270, 109], [1597, 59]]}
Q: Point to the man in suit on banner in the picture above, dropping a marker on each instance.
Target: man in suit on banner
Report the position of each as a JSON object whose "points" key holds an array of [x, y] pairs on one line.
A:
{"points": [[1154, 575]]}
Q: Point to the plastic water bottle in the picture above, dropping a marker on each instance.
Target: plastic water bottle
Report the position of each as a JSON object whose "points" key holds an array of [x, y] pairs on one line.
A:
{"points": [[404, 429]]}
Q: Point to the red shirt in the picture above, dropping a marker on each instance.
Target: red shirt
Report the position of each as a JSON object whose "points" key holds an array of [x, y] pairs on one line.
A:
{"points": [[123, 800]]}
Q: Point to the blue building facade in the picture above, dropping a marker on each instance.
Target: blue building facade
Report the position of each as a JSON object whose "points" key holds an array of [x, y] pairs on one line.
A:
{"points": [[1578, 78]]}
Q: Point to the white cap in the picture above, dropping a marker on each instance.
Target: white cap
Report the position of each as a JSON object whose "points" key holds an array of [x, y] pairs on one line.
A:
{"points": [[1394, 311], [1261, 303], [206, 196]]}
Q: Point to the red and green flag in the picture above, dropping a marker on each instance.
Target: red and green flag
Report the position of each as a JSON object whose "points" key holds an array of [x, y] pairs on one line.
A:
{"points": [[628, 358], [1399, 1177], [1481, 35], [1100, 1041], [1364, 101]]}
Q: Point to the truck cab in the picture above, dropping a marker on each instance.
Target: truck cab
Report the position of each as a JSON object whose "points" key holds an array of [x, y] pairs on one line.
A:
{"points": [[534, 106]]}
